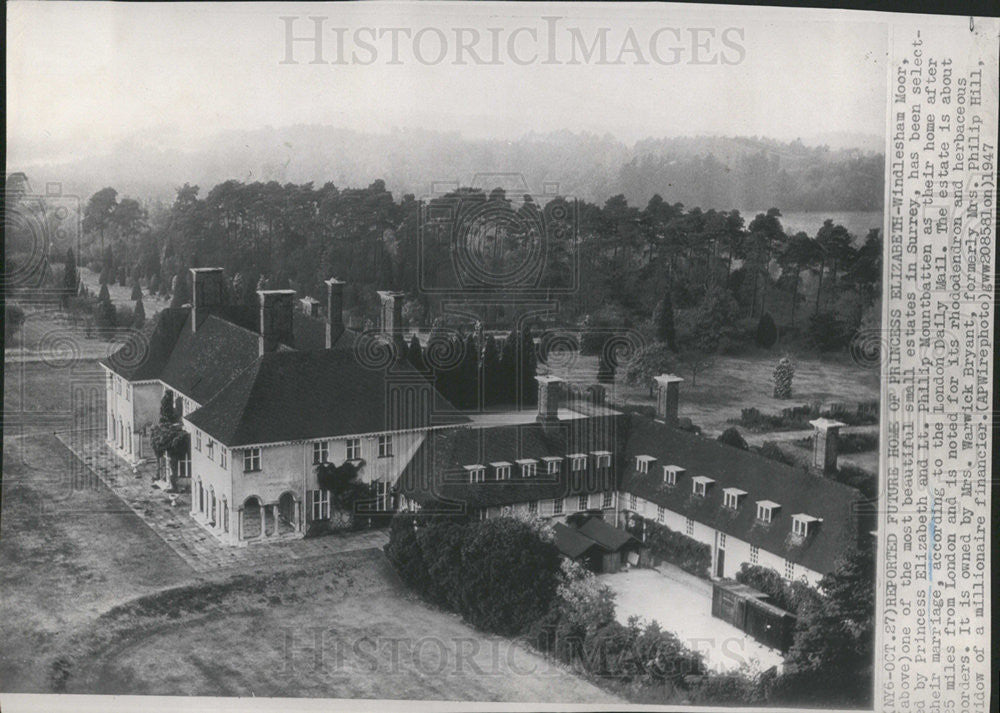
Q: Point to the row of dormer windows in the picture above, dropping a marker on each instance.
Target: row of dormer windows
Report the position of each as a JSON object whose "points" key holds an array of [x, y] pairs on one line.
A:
{"points": [[528, 467], [732, 497]]}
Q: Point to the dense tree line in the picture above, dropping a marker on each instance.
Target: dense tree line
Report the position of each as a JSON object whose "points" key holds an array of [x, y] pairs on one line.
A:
{"points": [[695, 283]]}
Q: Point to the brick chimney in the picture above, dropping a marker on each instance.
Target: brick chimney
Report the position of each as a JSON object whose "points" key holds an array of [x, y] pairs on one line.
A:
{"points": [[334, 311], [550, 391], [667, 394], [826, 433], [276, 307], [207, 291], [391, 315]]}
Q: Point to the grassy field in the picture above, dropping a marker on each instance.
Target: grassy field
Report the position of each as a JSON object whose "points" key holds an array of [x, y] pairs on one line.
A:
{"points": [[92, 601], [346, 628], [737, 382]]}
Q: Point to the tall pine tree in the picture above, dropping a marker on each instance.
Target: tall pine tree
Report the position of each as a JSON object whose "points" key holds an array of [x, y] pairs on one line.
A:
{"points": [[71, 279], [529, 368], [489, 370]]}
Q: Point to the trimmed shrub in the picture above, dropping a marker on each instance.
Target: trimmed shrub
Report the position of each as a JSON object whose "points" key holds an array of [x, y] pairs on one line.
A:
{"points": [[678, 549], [784, 371], [732, 437], [772, 450]]}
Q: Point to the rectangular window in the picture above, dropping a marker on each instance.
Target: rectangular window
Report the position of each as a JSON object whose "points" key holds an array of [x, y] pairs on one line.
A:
{"points": [[722, 540], [552, 467], [754, 554], [689, 527], [197, 441], [579, 463], [607, 501], [251, 460], [642, 465], [319, 507], [477, 475], [111, 381], [128, 392], [731, 500], [528, 470], [633, 502], [211, 449], [557, 506], [385, 446], [581, 503], [533, 507], [223, 457], [321, 452], [603, 460], [763, 513], [503, 472], [660, 514], [789, 569], [353, 449]]}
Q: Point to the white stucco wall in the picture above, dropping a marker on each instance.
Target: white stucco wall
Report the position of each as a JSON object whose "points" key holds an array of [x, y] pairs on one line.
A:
{"points": [[737, 550]]}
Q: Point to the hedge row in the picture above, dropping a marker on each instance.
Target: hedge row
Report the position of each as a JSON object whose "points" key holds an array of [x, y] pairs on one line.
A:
{"points": [[786, 595], [678, 549], [505, 576], [497, 573], [798, 417]]}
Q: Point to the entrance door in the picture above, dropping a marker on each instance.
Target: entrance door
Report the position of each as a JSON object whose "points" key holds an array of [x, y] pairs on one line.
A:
{"points": [[720, 560]]}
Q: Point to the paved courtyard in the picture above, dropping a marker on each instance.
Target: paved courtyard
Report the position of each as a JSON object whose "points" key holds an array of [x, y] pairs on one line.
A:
{"points": [[682, 604], [167, 515]]}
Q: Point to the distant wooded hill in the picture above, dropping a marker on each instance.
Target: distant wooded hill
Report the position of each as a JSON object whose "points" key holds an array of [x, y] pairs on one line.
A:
{"points": [[709, 172]]}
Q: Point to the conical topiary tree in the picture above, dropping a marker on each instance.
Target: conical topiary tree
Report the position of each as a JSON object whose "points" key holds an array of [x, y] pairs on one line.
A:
{"points": [[136, 292], [139, 314], [783, 374]]}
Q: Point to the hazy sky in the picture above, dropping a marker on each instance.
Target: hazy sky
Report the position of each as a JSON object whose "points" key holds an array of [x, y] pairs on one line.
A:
{"points": [[83, 77]]}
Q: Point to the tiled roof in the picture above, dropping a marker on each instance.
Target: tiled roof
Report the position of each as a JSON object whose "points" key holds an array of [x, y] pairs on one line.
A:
{"points": [[795, 490], [607, 536], [436, 472], [146, 353], [203, 362], [294, 395], [570, 542]]}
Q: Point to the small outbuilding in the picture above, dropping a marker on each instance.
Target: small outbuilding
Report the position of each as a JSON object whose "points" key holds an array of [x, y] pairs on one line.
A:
{"points": [[601, 546], [751, 611], [577, 547]]}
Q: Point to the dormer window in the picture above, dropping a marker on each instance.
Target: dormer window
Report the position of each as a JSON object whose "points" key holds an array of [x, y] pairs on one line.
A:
{"points": [[477, 472], [501, 469], [766, 510], [603, 459], [578, 461], [700, 485], [732, 497], [671, 473], [802, 524], [529, 467], [552, 464], [642, 463]]}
